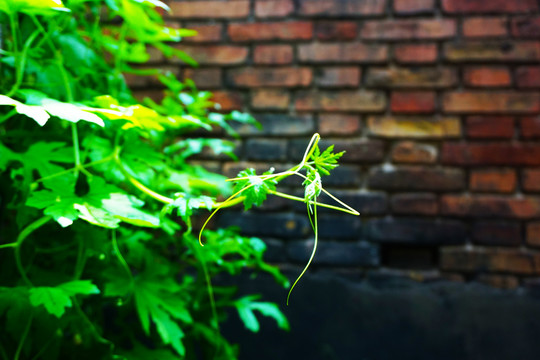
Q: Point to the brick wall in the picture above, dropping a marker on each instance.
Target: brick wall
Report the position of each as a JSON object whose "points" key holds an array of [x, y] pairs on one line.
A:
{"points": [[436, 102]]}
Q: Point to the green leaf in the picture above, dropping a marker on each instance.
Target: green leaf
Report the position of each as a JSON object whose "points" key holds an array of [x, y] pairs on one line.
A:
{"points": [[256, 187], [327, 160], [246, 307], [42, 7], [79, 287], [54, 300], [37, 113], [126, 208]]}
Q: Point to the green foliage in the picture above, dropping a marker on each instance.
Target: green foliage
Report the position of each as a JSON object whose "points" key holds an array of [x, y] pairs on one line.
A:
{"points": [[252, 189], [97, 195]]}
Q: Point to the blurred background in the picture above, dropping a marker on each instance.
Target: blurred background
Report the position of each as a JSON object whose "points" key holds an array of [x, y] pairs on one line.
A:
{"points": [[436, 103]]}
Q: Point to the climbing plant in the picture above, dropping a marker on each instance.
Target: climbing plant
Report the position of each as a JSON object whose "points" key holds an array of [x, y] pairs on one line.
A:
{"points": [[98, 194]]}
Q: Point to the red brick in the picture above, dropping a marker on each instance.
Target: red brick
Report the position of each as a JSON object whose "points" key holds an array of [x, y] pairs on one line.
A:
{"points": [[526, 27], [216, 54], [296, 30], [414, 153], [336, 30], [491, 6], [501, 51], [490, 206], [270, 77], [270, 99], [154, 94], [511, 154], [489, 259], [531, 180], [342, 52], [358, 101], [487, 76], [485, 127], [273, 54], [339, 77], [422, 77], [414, 127], [358, 151], [530, 127], [408, 29], [342, 7], [339, 124], [200, 9], [484, 27], [528, 76], [533, 234], [412, 101], [495, 232], [228, 100], [204, 78], [491, 102], [415, 53], [205, 33], [413, 7], [415, 204], [416, 178], [493, 180], [273, 8]]}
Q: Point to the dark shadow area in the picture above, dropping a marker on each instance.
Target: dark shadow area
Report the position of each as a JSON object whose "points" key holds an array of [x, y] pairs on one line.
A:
{"points": [[389, 317]]}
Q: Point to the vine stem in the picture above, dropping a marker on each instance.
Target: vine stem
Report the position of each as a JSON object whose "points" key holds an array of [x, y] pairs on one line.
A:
{"points": [[23, 337], [18, 244]]}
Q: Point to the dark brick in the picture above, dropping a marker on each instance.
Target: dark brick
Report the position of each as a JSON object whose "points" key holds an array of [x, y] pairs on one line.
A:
{"points": [[356, 150], [528, 77], [416, 178], [512, 154], [353, 101], [270, 77], [415, 204], [491, 6], [295, 30], [339, 124], [273, 54], [280, 225], [279, 125], [208, 78], [490, 127], [503, 102], [266, 149], [493, 180], [531, 180], [490, 206], [414, 7], [416, 231], [328, 8], [489, 260], [421, 77], [342, 53], [397, 30], [496, 233], [275, 251], [526, 27], [533, 234], [530, 127], [335, 226], [366, 203], [414, 153], [338, 77], [336, 30], [334, 253], [492, 51], [343, 175], [499, 281]]}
